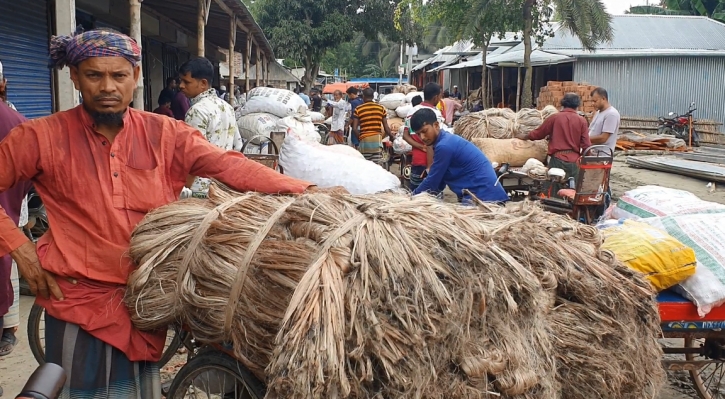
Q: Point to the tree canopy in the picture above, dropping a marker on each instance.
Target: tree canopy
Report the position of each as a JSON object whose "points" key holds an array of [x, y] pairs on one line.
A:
{"points": [[307, 30], [714, 9]]}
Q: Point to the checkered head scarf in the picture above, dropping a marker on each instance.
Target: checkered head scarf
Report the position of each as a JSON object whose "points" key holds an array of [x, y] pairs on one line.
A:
{"points": [[72, 50]]}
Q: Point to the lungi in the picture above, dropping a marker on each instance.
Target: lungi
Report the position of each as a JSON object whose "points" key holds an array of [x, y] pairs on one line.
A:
{"points": [[371, 147], [96, 370], [336, 138]]}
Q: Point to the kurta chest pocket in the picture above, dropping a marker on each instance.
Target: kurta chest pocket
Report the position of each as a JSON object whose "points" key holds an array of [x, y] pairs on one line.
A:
{"points": [[143, 189]]}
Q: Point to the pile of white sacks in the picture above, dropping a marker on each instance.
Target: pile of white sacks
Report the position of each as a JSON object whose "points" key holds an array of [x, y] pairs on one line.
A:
{"points": [[302, 155]]}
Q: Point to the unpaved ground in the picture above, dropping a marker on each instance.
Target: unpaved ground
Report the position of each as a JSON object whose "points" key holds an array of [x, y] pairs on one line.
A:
{"points": [[17, 367]]}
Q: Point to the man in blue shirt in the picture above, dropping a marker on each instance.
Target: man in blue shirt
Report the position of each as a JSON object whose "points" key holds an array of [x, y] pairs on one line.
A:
{"points": [[303, 96], [354, 100], [457, 163]]}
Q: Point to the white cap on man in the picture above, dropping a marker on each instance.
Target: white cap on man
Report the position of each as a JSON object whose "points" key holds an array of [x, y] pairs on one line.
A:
{"points": [[223, 88]]}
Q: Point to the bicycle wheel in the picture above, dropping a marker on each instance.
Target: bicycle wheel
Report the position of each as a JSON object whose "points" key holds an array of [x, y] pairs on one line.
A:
{"points": [[36, 333], [213, 374], [36, 337]]}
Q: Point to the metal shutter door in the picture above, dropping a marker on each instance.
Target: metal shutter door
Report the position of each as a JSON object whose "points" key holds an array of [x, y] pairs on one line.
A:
{"points": [[24, 54]]}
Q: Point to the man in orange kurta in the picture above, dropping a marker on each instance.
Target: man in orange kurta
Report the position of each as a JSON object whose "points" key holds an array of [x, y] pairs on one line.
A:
{"points": [[99, 168]]}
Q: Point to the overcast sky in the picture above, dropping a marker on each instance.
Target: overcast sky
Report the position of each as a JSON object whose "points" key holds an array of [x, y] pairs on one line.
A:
{"points": [[619, 6]]}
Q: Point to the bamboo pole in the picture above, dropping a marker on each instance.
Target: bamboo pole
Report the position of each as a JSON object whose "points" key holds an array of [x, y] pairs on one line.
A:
{"points": [[201, 18], [258, 72], [232, 45], [135, 30], [518, 89], [248, 53]]}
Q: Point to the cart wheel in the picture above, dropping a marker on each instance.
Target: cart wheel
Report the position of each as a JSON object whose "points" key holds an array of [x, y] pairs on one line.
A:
{"points": [[36, 333], [213, 374], [36, 337], [708, 380]]}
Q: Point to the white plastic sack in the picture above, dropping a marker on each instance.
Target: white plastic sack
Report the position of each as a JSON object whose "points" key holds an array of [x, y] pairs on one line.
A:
{"points": [[392, 100], [278, 102], [400, 146], [403, 110], [252, 125], [317, 117], [654, 201], [410, 96], [705, 234], [341, 149], [301, 126], [309, 162]]}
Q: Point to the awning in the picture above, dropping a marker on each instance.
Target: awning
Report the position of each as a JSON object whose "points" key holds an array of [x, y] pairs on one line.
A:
{"points": [[331, 88], [538, 58]]}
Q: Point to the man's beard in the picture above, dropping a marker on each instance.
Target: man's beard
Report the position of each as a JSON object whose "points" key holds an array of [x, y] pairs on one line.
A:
{"points": [[110, 119]]}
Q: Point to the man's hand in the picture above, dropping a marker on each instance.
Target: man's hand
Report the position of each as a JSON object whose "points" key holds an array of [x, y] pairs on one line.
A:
{"points": [[522, 136], [330, 190], [41, 282]]}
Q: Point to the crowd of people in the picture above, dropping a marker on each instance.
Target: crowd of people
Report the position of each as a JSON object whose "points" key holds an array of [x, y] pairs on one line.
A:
{"points": [[103, 163]]}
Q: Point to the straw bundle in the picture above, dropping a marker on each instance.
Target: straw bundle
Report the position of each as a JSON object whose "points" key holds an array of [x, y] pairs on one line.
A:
{"points": [[501, 123], [405, 89], [361, 297]]}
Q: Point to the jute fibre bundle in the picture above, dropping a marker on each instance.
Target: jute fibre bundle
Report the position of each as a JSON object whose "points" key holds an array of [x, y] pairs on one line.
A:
{"points": [[501, 123], [342, 296], [494, 123], [528, 119]]}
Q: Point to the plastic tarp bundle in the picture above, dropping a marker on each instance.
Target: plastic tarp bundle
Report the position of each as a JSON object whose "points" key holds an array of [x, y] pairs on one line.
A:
{"points": [[317, 117], [705, 234], [325, 168], [515, 152], [301, 125], [654, 201], [663, 259], [278, 102], [410, 96], [392, 100], [403, 110], [259, 124]]}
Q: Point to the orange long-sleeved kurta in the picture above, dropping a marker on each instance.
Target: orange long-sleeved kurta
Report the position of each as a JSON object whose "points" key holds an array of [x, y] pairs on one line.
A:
{"points": [[96, 191]]}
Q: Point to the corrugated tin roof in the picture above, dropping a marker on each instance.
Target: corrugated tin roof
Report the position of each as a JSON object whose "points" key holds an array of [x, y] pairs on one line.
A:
{"points": [[649, 34], [444, 54]]}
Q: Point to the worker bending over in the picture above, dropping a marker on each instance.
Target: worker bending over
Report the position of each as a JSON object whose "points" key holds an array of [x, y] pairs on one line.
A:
{"points": [[457, 163]]}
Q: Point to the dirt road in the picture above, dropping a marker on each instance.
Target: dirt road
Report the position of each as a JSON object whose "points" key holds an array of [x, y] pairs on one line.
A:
{"points": [[17, 367]]}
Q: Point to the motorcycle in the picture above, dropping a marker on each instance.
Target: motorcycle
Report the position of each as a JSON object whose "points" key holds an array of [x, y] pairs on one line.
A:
{"points": [[680, 126]]}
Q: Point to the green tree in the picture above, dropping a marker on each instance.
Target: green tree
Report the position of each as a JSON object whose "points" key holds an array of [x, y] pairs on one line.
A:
{"points": [[476, 20], [588, 20], [714, 9]]}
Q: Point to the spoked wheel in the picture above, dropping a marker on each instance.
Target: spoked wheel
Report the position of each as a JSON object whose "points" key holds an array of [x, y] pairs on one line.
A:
{"points": [[215, 375], [36, 333], [36, 337], [709, 380]]}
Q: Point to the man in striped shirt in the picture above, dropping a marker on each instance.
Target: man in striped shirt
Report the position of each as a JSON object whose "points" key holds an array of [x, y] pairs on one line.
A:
{"points": [[368, 122]]}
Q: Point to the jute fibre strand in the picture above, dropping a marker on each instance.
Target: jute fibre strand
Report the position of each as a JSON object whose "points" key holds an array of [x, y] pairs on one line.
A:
{"points": [[390, 297], [501, 123]]}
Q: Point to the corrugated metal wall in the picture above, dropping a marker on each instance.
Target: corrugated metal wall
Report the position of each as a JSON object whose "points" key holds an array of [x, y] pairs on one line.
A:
{"points": [[651, 87]]}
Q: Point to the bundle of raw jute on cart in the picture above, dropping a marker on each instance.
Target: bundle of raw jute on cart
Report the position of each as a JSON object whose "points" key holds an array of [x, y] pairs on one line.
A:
{"points": [[340, 296], [501, 123]]}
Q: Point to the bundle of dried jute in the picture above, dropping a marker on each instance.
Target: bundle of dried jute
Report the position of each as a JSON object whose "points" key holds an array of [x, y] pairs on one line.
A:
{"points": [[340, 296], [501, 123]]}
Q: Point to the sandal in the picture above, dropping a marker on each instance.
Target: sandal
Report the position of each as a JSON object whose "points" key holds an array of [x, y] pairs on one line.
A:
{"points": [[7, 342]]}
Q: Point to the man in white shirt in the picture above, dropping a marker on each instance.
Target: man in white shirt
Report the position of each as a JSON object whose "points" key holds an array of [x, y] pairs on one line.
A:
{"points": [[339, 108], [212, 116], [605, 125]]}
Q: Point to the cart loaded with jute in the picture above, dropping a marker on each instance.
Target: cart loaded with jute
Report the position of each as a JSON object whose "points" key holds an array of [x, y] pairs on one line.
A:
{"points": [[342, 296]]}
